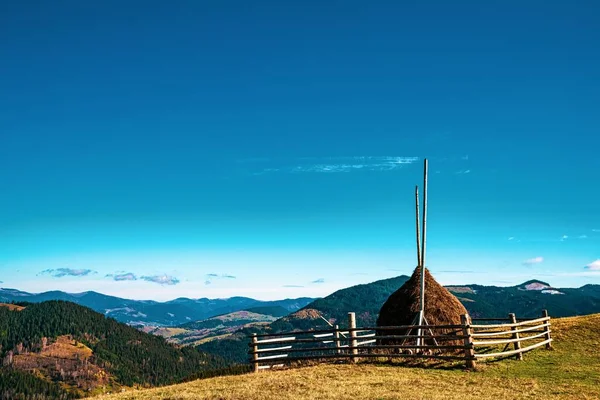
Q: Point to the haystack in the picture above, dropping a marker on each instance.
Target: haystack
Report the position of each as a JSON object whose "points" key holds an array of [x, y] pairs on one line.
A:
{"points": [[441, 306]]}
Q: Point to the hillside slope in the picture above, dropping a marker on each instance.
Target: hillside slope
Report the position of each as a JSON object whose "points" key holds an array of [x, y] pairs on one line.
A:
{"points": [[571, 370], [63, 342]]}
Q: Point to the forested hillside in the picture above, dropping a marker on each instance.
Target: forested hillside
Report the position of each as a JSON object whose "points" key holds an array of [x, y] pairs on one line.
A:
{"points": [[526, 300], [89, 351]]}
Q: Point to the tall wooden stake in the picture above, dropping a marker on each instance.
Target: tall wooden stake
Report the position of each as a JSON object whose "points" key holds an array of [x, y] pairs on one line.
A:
{"points": [[424, 241], [418, 227]]}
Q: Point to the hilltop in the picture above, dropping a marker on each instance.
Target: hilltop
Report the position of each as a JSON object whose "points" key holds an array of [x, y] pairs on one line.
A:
{"points": [[72, 350], [526, 300], [571, 370]]}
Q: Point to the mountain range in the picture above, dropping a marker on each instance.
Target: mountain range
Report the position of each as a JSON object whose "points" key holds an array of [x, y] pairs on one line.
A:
{"points": [[148, 312], [526, 300]]}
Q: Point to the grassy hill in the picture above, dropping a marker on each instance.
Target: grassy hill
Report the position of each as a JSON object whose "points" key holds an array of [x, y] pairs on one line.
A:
{"points": [[571, 370], [61, 346]]}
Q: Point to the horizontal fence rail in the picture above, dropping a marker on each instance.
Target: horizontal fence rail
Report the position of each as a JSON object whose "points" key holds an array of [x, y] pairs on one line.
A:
{"points": [[466, 342]]}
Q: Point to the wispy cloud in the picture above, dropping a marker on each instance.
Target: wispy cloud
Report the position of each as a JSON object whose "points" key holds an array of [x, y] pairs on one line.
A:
{"points": [[533, 261], [582, 237], [293, 286], [320, 280], [127, 276], [212, 276], [161, 279], [463, 172], [340, 164], [62, 272], [596, 230], [593, 266], [563, 238]]}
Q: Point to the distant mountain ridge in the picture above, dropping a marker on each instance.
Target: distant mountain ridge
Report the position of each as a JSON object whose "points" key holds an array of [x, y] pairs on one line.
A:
{"points": [[148, 312]]}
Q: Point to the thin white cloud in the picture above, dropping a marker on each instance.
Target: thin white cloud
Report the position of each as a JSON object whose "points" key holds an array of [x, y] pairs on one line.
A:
{"points": [[124, 277], [564, 237], [320, 280], [593, 266], [463, 172], [582, 237], [62, 272], [596, 230], [511, 238], [161, 279], [533, 261], [330, 165], [293, 286]]}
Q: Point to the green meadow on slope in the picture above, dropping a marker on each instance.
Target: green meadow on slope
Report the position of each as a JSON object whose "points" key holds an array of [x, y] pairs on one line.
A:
{"points": [[571, 370]]}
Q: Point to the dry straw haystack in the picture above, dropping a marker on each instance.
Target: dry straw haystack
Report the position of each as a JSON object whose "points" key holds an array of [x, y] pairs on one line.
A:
{"points": [[441, 306]]}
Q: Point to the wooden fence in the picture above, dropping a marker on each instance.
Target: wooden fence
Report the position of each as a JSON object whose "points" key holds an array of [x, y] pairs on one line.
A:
{"points": [[468, 341]]}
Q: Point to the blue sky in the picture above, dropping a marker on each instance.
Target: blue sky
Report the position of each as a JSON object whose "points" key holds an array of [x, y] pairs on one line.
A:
{"points": [[210, 149]]}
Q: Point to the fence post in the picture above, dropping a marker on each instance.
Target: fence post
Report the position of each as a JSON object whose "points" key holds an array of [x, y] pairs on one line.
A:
{"points": [[336, 333], [353, 341], [547, 329], [465, 321], [255, 352], [513, 320]]}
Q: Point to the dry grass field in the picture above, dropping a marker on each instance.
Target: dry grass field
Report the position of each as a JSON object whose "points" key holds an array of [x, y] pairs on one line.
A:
{"points": [[570, 371]]}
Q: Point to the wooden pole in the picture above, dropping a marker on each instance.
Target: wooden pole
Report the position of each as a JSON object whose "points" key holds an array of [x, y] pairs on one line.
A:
{"points": [[465, 321], [423, 243], [418, 227], [513, 320], [547, 329], [421, 316], [424, 238], [337, 339], [353, 341], [255, 352]]}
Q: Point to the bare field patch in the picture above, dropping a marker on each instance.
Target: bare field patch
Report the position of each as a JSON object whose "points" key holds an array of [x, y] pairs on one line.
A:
{"points": [[12, 307]]}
